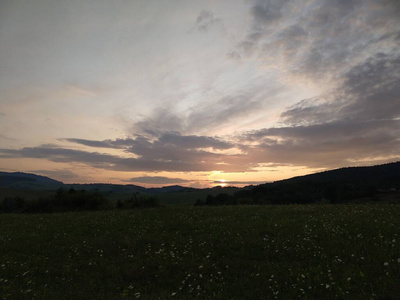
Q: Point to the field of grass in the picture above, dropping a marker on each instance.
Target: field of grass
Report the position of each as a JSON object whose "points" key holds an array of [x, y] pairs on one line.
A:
{"points": [[240, 252]]}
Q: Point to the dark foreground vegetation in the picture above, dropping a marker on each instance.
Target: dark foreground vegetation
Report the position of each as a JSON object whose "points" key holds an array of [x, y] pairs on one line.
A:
{"points": [[304, 193], [231, 252], [76, 244]]}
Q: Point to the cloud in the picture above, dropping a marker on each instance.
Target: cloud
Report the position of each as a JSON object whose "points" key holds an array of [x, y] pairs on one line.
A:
{"points": [[229, 108], [374, 88], [114, 144], [369, 92], [162, 119], [209, 114], [167, 152], [234, 55], [359, 121], [319, 39], [97, 144], [355, 44], [206, 20], [267, 12], [193, 141], [157, 180], [167, 144]]}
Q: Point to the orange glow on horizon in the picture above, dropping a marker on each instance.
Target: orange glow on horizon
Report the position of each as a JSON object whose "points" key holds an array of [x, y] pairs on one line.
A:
{"points": [[222, 182]]}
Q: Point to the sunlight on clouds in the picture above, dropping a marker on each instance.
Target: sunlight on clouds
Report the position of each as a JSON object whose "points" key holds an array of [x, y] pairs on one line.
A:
{"points": [[157, 92], [221, 182]]}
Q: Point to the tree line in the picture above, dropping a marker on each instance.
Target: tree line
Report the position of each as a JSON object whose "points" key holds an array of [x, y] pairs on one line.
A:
{"points": [[297, 193], [73, 200]]}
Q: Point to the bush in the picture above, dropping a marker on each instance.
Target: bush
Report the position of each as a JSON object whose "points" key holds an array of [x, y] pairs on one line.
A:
{"points": [[220, 199], [138, 201], [200, 202], [12, 205], [67, 201]]}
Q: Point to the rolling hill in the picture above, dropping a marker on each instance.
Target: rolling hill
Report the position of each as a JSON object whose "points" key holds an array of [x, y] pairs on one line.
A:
{"points": [[27, 181], [386, 175]]}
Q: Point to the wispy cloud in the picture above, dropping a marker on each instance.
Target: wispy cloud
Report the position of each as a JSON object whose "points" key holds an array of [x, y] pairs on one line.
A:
{"points": [[311, 83], [206, 20], [319, 39], [359, 121], [6, 138]]}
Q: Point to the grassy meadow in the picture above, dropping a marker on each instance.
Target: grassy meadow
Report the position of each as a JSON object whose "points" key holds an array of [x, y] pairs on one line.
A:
{"points": [[229, 252]]}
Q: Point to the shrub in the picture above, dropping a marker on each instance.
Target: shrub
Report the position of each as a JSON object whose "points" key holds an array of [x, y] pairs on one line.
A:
{"points": [[12, 205], [138, 201], [67, 201]]}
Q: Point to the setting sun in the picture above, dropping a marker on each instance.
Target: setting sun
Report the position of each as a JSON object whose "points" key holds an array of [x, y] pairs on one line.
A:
{"points": [[222, 183]]}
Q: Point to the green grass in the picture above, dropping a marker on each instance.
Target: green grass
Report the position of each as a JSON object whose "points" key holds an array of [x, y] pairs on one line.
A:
{"points": [[241, 252]]}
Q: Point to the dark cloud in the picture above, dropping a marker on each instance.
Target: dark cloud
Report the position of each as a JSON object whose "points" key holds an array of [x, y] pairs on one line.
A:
{"points": [[97, 160], [173, 139], [341, 32], [313, 111], [114, 144], [98, 144], [62, 155], [167, 152], [193, 141], [159, 151], [206, 20], [359, 121], [320, 39], [157, 180], [328, 12], [374, 89], [163, 119], [370, 92], [267, 12]]}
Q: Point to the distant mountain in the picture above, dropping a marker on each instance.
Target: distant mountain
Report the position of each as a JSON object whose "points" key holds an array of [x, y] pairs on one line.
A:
{"points": [[26, 181], [170, 189], [128, 188], [107, 187], [385, 175], [380, 176]]}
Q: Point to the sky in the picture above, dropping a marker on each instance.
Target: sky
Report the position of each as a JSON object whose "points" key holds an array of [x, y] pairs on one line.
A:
{"points": [[197, 93]]}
